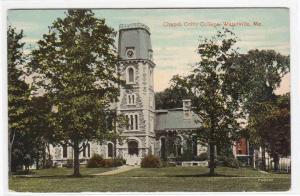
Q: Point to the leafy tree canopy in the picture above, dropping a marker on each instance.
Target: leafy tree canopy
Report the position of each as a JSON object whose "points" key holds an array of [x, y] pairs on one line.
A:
{"points": [[209, 87], [77, 67]]}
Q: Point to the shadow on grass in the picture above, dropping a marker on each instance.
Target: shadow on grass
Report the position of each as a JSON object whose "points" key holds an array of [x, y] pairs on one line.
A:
{"points": [[203, 175], [54, 176]]}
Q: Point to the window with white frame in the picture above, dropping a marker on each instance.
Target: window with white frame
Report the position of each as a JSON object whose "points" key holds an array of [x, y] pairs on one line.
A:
{"points": [[131, 99], [133, 121]]}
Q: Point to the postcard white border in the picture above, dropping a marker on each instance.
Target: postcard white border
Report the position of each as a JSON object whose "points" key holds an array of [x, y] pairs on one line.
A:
{"points": [[293, 5]]}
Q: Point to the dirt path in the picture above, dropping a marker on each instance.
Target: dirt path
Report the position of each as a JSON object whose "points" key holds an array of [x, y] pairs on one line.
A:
{"points": [[121, 169]]}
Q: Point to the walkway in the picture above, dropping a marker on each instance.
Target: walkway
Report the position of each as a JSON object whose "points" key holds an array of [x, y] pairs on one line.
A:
{"points": [[120, 169]]}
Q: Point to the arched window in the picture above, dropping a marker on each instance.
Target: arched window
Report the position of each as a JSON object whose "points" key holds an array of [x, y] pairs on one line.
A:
{"points": [[130, 75], [133, 148], [163, 148], [110, 150]]}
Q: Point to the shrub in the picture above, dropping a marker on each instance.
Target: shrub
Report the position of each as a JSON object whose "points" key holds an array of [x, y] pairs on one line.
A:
{"points": [[150, 161], [203, 156], [118, 162], [231, 162], [106, 163], [95, 161]]}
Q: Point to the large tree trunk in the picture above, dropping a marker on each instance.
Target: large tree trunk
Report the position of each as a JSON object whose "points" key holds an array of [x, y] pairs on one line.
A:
{"points": [[9, 158], [76, 159], [10, 144], [212, 162]]}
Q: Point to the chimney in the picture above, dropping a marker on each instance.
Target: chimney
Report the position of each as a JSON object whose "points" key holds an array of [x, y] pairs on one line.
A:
{"points": [[186, 107]]}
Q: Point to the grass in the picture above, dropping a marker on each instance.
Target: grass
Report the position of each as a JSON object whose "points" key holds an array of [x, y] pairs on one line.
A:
{"points": [[150, 180], [69, 171]]}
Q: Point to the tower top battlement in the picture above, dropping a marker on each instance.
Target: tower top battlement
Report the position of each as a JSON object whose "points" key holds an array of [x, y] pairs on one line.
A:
{"points": [[134, 26]]}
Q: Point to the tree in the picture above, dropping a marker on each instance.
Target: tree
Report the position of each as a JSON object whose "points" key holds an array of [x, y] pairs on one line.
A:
{"points": [[257, 74], [37, 129], [18, 90], [214, 99], [76, 65], [171, 97], [278, 129], [273, 128]]}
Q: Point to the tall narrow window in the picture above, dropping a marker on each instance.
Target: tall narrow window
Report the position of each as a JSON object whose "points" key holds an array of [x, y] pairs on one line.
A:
{"points": [[128, 123], [131, 75], [109, 150], [129, 99], [163, 148], [131, 122], [136, 122], [65, 151]]}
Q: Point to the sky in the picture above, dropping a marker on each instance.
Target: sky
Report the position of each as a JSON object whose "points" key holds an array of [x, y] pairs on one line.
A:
{"points": [[175, 32]]}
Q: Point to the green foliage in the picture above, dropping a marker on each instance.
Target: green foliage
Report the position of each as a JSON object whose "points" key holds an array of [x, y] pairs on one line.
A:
{"points": [[116, 162], [150, 161], [98, 161], [228, 161], [18, 96], [170, 98], [265, 69], [231, 162], [76, 66], [203, 156], [269, 127], [106, 163], [94, 161], [209, 86]]}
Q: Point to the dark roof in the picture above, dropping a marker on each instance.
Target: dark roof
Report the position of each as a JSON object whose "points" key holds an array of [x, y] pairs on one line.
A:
{"points": [[174, 119]]}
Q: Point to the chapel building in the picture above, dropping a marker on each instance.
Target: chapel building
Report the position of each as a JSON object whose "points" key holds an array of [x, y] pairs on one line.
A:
{"points": [[149, 131]]}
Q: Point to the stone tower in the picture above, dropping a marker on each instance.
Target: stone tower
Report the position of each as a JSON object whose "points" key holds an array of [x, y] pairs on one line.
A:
{"points": [[137, 98]]}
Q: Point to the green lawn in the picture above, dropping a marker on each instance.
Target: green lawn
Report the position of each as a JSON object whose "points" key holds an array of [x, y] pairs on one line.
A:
{"points": [[62, 171], [150, 180]]}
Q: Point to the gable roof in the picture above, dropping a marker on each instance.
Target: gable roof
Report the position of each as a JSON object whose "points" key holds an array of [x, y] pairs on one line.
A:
{"points": [[173, 119]]}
